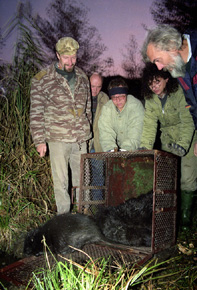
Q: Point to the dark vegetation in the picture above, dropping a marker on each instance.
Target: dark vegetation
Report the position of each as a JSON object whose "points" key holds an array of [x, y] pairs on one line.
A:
{"points": [[26, 189]]}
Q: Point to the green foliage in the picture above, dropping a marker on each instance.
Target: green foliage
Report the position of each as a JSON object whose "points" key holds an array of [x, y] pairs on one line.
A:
{"points": [[26, 189], [102, 274]]}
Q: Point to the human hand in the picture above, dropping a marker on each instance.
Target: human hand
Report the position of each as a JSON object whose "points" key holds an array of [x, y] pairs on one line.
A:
{"points": [[176, 149], [195, 149], [42, 148]]}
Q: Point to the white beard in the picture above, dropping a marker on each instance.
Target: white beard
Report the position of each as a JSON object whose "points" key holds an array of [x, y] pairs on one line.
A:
{"points": [[178, 68]]}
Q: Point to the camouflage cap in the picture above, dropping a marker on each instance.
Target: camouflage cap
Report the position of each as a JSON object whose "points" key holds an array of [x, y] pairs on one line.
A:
{"points": [[67, 45]]}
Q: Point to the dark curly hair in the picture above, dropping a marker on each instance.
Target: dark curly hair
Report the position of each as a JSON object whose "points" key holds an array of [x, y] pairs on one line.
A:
{"points": [[151, 72]]}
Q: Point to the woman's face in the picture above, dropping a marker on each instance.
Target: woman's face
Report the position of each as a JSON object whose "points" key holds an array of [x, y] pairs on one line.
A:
{"points": [[158, 86], [119, 101]]}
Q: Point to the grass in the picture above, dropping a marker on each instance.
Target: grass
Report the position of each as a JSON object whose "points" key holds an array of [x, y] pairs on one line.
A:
{"points": [[26, 190], [101, 274], [27, 200], [177, 272]]}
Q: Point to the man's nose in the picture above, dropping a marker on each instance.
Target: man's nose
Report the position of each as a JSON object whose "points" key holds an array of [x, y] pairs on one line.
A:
{"points": [[70, 61], [159, 65]]}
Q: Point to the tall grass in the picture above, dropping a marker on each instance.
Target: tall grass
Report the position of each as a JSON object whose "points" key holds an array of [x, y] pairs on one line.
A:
{"points": [[26, 190], [101, 274]]}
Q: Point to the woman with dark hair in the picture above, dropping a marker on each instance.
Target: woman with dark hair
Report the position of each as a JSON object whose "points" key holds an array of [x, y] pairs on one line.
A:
{"points": [[150, 74], [165, 103]]}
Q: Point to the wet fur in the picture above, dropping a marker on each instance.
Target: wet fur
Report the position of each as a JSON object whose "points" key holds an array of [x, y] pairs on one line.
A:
{"points": [[129, 224], [62, 231]]}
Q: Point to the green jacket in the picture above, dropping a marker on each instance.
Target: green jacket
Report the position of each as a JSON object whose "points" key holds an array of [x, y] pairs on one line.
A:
{"points": [[102, 99], [176, 123], [122, 129]]}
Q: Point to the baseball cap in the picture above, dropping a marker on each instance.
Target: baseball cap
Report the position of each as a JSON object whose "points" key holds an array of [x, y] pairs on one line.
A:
{"points": [[67, 45]]}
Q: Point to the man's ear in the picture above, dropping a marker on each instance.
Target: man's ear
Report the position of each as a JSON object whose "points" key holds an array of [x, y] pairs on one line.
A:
{"points": [[58, 56]]}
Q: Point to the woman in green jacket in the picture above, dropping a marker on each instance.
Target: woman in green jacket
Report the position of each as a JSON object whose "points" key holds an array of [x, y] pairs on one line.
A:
{"points": [[165, 104], [121, 120]]}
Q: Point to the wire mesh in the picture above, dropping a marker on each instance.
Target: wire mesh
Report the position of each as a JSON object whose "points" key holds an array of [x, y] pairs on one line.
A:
{"points": [[111, 178]]}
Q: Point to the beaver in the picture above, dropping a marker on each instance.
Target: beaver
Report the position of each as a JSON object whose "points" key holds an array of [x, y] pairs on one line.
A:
{"points": [[122, 226], [129, 222], [63, 231]]}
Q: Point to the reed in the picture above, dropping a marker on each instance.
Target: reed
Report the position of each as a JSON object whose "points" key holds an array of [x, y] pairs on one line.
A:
{"points": [[101, 274], [27, 199], [26, 190]]}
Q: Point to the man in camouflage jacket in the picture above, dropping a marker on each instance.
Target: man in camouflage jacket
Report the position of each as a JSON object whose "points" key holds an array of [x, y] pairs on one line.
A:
{"points": [[60, 115]]}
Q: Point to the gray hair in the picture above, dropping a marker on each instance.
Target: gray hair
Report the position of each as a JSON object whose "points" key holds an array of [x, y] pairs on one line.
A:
{"points": [[164, 37]]}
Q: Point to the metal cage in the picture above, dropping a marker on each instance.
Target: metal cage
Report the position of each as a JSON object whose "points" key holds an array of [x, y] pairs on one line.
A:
{"points": [[109, 179], [119, 176]]}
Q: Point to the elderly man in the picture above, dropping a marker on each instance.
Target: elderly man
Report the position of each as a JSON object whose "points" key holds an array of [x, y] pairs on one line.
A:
{"points": [[177, 53], [99, 99], [60, 115], [121, 120]]}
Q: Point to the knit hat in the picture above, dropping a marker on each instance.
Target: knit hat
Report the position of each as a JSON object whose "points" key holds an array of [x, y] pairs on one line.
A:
{"points": [[67, 45]]}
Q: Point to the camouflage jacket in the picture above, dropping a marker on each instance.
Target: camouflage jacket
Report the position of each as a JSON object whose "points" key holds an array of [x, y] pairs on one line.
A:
{"points": [[56, 114]]}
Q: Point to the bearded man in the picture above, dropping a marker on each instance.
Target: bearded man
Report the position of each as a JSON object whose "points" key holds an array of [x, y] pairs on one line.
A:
{"points": [[60, 116], [176, 53], [169, 50]]}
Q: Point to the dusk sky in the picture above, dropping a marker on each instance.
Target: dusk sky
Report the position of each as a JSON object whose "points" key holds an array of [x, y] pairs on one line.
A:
{"points": [[115, 20]]}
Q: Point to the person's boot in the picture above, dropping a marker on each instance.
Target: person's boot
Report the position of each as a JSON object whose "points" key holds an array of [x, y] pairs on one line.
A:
{"points": [[187, 198]]}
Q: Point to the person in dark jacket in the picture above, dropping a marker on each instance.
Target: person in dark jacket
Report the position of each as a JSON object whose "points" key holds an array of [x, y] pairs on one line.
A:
{"points": [[177, 53], [165, 103]]}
